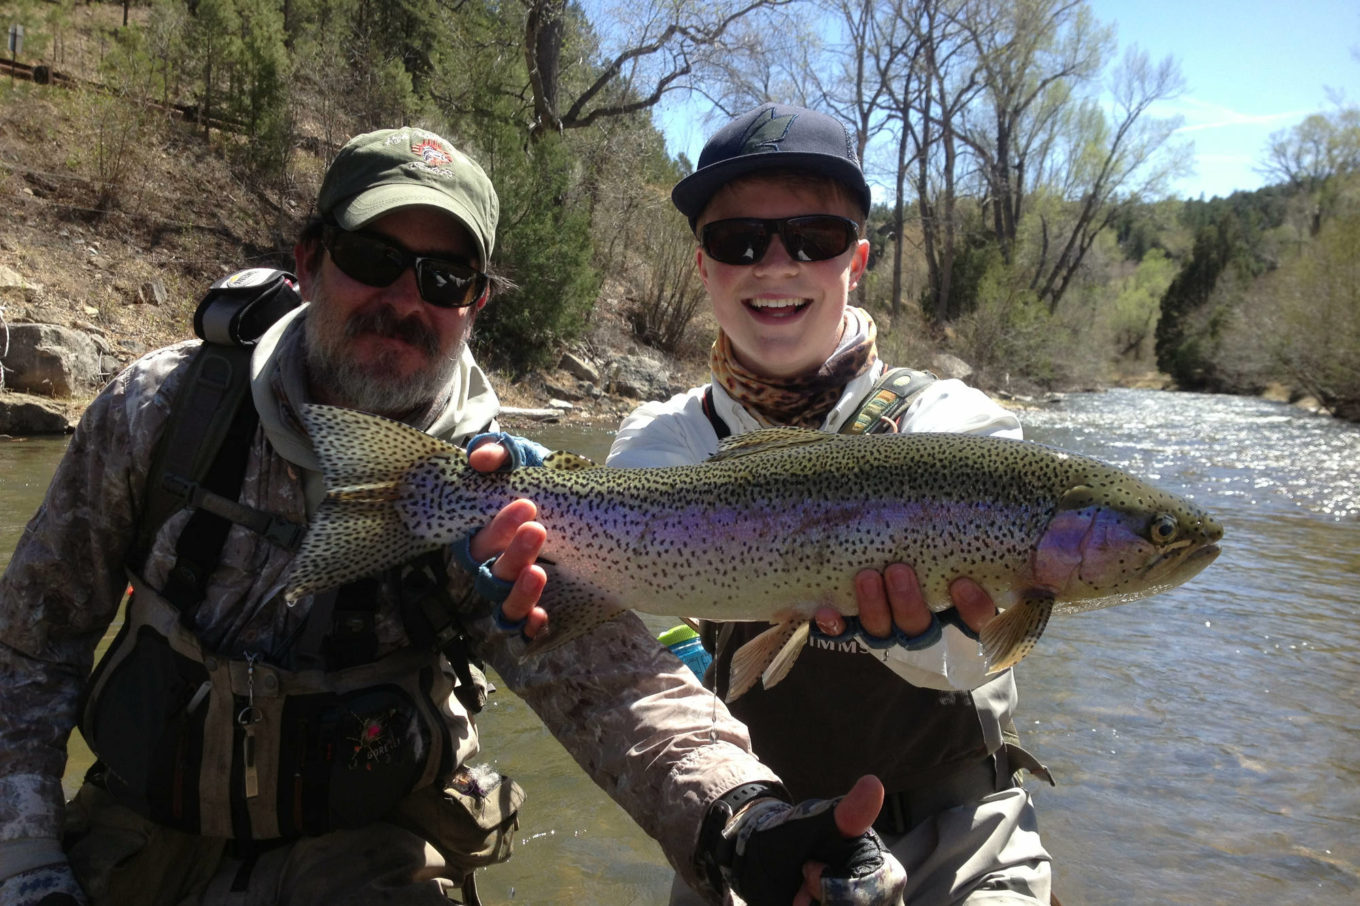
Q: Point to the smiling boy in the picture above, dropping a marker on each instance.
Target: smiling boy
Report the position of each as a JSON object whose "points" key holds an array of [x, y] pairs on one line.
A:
{"points": [[778, 203]]}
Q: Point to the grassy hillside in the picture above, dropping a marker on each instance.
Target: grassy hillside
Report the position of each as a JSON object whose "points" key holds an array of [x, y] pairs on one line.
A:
{"points": [[118, 218]]}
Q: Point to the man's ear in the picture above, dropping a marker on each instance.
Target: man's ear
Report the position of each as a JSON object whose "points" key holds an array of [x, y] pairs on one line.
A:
{"points": [[307, 264]]}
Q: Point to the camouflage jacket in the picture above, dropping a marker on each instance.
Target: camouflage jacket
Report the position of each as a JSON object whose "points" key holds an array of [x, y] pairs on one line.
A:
{"points": [[631, 715]]}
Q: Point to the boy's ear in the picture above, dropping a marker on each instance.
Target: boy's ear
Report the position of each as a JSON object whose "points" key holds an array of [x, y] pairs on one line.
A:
{"points": [[859, 263]]}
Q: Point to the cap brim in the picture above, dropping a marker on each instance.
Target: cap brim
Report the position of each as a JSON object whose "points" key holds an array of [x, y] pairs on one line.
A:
{"points": [[691, 194], [359, 211]]}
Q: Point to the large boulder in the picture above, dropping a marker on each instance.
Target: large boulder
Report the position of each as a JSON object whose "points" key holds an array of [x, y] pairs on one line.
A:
{"points": [[945, 365], [51, 360], [22, 417], [641, 377], [579, 367]]}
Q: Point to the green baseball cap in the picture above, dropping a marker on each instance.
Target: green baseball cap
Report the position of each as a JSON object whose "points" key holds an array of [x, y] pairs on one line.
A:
{"points": [[378, 172]]}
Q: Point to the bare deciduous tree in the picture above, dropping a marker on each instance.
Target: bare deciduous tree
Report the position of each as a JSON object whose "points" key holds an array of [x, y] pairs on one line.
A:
{"points": [[658, 48], [1030, 53], [1112, 161]]}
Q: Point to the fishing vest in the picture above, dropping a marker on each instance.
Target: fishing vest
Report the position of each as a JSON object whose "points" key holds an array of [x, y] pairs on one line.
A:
{"points": [[236, 748]]}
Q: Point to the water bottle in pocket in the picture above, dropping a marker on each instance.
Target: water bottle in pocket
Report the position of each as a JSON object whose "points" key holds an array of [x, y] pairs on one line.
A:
{"points": [[684, 643]]}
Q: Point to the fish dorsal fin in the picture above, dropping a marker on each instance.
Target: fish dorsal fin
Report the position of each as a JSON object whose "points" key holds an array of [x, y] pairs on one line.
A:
{"points": [[1078, 498], [568, 462], [769, 439]]}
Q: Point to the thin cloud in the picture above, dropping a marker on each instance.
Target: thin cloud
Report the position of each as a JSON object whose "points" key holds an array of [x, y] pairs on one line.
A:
{"points": [[1204, 115]]}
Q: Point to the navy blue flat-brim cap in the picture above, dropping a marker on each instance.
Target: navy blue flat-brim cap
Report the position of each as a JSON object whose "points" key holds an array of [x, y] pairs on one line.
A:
{"points": [[770, 137]]}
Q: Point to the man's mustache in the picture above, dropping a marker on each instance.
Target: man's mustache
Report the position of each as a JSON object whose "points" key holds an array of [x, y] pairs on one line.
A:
{"points": [[384, 322]]}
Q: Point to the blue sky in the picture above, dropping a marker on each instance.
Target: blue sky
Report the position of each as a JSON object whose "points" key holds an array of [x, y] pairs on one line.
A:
{"points": [[1251, 68]]}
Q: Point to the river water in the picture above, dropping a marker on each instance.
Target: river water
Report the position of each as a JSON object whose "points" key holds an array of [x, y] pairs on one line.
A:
{"points": [[1206, 741]]}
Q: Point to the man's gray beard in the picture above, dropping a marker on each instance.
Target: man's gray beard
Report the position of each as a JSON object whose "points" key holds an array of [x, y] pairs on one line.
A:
{"points": [[371, 386]]}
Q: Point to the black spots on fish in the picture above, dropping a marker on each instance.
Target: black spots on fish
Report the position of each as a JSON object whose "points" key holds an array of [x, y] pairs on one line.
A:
{"points": [[568, 462], [357, 448]]}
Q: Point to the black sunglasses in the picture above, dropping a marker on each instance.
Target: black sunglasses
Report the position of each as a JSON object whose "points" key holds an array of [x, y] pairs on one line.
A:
{"points": [[812, 237], [378, 261]]}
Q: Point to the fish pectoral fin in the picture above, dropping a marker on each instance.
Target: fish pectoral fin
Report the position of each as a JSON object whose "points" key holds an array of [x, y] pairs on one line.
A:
{"points": [[1008, 637], [784, 658], [767, 657]]}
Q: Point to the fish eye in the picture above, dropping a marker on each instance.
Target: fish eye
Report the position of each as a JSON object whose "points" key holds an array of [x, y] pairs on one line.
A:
{"points": [[1163, 528]]}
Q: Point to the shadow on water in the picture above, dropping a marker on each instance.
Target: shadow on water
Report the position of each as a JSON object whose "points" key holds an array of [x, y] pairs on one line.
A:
{"points": [[1204, 740]]}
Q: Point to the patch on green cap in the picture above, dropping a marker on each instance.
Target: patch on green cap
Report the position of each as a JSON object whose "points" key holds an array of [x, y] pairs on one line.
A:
{"points": [[378, 172]]}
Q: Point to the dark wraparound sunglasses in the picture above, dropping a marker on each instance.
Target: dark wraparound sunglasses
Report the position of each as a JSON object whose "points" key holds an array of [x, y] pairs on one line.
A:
{"points": [[812, 237], [378, 261]]}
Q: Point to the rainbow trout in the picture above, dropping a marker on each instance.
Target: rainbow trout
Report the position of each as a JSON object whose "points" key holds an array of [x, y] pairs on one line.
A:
{"points": [[774, 525]]}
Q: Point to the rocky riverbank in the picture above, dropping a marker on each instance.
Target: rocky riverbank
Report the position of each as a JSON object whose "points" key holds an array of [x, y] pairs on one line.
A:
{"points": [[52, 371]]}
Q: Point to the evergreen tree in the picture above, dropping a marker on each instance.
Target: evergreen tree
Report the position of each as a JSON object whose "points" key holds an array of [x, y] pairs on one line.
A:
{"points": [[544, 245]]}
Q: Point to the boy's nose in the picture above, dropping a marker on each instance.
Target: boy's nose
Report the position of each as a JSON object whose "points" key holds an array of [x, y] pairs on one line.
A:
{"points": [[776, 257]]}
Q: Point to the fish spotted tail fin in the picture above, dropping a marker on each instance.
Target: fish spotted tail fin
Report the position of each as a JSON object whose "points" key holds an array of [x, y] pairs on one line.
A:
{"points": [[358, 529]]}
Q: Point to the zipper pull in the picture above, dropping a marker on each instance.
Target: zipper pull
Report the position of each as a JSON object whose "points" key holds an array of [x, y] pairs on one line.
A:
{"points": [[248, 718]]}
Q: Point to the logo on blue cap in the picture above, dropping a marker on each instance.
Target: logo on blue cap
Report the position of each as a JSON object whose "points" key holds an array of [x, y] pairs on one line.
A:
{"points": [[767, 132]]}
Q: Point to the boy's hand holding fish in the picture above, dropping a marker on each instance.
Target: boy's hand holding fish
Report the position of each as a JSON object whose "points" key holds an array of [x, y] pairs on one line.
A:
{"points": [[896, 626]]}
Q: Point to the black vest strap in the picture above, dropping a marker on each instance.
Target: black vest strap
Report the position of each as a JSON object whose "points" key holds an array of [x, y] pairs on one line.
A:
{"points": [[895, 390], [204, 448], [714, 419], [429, 610]]}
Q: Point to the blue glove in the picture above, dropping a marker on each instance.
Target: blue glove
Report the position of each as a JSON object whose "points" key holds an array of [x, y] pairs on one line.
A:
{"points": [[47, 885], [523, 452]]}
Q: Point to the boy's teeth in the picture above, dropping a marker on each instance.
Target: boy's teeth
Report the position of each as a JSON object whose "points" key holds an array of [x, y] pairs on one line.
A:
{"points": [[776, 303]]}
